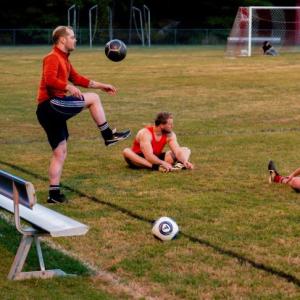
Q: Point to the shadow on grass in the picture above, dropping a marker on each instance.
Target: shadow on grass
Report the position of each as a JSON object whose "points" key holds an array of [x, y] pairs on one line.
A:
{"points": [[241, 258], [10, 239]]}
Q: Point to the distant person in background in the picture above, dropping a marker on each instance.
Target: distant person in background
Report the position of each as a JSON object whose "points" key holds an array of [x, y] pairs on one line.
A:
{"points": [[148, 145], [269, 49], [293, 180], [59, 100]]}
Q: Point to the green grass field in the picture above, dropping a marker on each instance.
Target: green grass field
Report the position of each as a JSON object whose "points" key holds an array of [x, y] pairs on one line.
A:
{"points": [[239, 235]]}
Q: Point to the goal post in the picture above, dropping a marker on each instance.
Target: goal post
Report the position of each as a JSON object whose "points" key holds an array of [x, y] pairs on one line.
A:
{"points": [[279, 25]]}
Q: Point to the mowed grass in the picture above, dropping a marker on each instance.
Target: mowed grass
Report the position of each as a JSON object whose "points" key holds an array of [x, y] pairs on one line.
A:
{"points": [[240, 236]]}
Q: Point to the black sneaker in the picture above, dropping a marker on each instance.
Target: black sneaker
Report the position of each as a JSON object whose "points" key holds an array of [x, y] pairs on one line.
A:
{"points": [[118, 136], [61, 198], [272, 170]]}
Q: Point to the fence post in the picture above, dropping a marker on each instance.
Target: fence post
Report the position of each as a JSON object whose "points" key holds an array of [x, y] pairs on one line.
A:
{"points": [[175, 36], [207, 37], [14, 37], [49, 36]]}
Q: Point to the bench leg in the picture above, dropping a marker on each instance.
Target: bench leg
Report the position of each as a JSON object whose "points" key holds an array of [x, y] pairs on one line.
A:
{"points": [[39, 252], [20, 257], [16, 273]]}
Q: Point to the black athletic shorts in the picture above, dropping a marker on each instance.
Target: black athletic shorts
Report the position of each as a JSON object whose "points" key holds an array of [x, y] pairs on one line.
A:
{"points": [[133, 166], [53, 115]]}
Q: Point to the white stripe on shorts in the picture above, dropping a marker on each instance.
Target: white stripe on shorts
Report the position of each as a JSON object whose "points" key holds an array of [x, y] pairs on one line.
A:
{"points": [[63, 103]]}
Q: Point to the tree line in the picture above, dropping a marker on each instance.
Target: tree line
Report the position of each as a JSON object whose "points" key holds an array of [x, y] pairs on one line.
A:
{"points": [[183, 13]]}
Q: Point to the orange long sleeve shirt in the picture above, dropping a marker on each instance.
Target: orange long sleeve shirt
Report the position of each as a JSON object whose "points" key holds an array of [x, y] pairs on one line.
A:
{"points": [[57, 71]]}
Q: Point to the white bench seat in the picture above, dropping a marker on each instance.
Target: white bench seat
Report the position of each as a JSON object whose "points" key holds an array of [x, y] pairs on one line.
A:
{"points": [[18, 197], [49, 220]]}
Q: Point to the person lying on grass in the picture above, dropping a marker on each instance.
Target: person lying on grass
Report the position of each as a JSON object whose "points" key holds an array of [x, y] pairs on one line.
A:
{"points": [[293, 180]]}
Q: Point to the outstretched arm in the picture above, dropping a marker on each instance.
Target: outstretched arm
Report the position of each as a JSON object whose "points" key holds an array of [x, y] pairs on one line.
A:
{"points": [[80, 80], [108, 88], [73, 90]]}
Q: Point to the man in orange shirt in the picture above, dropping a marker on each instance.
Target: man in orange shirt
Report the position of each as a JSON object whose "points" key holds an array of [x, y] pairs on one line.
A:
{"points": [[59, 100], [147, 149]]}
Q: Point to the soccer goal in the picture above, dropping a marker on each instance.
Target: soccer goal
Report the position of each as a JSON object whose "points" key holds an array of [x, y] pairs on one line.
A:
{"points": [[279, 25]]}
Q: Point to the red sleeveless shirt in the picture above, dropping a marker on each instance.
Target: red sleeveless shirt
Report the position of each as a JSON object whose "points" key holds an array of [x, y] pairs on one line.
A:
{"points": [[157, 146]]}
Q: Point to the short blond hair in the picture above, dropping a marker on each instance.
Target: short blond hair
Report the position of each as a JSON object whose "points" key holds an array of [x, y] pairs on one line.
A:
{"points": [[60, 31]]}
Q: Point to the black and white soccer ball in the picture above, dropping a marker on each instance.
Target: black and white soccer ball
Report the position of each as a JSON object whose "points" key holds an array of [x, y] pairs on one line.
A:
{"points": [[165, 229], [115, 50]]}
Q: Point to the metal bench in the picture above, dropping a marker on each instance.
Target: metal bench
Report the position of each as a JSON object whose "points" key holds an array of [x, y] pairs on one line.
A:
{"points": [[17, 196]]}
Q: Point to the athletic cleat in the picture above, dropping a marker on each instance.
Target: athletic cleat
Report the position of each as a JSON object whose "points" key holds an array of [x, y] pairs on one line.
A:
{"points": [[272, 170], [118, 136], [178, 166], [61, 198], [164, 170]]}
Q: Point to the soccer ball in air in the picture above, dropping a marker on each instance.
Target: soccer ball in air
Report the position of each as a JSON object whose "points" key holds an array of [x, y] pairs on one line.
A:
{"points": [[115, 50], [165, 229]]}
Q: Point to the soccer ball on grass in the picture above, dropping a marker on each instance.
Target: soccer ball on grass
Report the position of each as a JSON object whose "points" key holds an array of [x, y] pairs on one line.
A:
{"points": [[165, 229]]}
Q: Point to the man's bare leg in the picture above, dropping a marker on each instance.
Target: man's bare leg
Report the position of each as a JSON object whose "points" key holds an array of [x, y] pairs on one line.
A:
{"points": [[143, 163], [170, 157], [184, 154], [136, 159], [94, 105], [55, 170], [57, 162]]}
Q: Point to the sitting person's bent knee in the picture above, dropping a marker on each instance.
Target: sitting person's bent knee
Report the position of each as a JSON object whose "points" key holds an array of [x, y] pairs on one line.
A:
{"points": [[126, 151], [186, 149]]}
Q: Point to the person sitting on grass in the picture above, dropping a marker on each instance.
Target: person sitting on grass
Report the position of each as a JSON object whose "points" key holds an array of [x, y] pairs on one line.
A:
{"points": [[292, 180], [269, 49], [147, 149]]}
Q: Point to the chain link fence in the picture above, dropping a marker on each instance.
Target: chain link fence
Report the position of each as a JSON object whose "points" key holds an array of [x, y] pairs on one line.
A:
{"points": [[16, 37]]}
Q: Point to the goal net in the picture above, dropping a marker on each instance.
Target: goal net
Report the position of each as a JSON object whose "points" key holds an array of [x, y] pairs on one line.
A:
{"points": [[255, 25]]}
